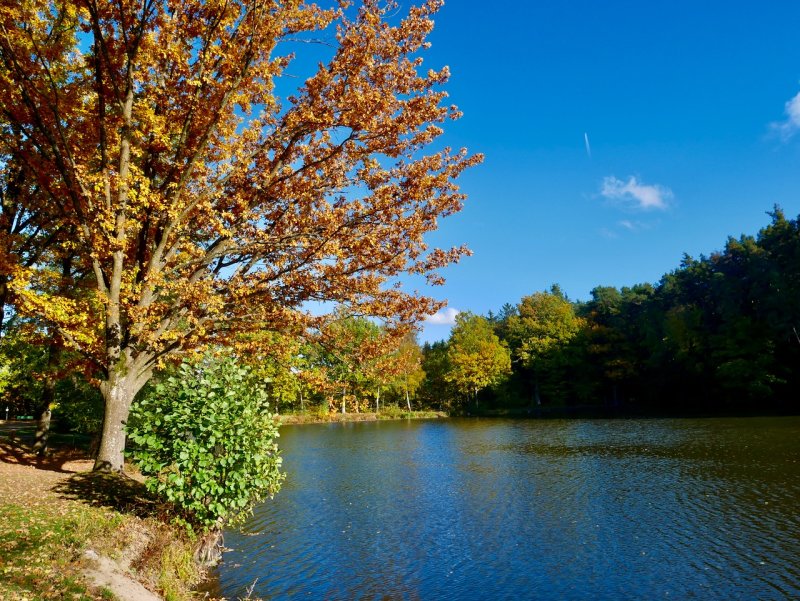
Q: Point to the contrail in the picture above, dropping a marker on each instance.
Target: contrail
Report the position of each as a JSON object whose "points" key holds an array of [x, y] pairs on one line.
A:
{"points": [[588, 148]]}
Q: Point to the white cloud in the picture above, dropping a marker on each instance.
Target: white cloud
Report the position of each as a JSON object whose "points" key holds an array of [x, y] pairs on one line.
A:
{"points": [[791, 125], [635, 226], [445, 317], [636, 195]]}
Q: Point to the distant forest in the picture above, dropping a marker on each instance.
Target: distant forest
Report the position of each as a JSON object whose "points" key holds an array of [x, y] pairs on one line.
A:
{"points": [[721, 333]]}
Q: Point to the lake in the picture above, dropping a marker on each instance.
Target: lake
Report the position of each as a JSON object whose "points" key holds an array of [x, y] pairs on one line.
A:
{"points": [[531, 509]]}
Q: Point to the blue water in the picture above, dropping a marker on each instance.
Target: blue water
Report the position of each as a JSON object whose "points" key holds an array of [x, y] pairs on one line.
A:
{"points": [[501, 509]]}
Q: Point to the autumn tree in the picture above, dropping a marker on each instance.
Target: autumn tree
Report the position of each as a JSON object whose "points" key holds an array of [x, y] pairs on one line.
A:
{"points": [[378, 375], [406, 366], [381, 369], [277, 362], [349, 346], [26, 228], [476, 356], [199, 202]]}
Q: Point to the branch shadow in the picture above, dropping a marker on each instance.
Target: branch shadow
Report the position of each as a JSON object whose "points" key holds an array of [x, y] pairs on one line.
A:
{"points": [[111, 490], [13, 450]]}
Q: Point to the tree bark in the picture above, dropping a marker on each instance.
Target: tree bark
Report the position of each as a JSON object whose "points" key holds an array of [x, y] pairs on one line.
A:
{"points": [[42, 430], [408, 401], [118, 391], [3, 295], [118, 398]]}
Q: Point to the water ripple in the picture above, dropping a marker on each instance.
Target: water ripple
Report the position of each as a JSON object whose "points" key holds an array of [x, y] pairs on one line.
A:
{"points": [[494, 509]]}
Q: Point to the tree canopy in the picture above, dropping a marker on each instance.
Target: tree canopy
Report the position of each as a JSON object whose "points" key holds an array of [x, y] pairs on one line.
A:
{"points": [[147, 141], [477, 358]]}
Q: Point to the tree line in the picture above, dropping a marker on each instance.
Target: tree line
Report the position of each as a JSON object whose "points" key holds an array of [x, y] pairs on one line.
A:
{"points": [[719, 333]]}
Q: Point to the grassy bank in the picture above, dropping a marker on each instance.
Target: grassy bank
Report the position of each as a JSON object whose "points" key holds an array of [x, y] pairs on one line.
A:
{"points": [[66, 533], [41, 549], [69, 533], [387, 414]]}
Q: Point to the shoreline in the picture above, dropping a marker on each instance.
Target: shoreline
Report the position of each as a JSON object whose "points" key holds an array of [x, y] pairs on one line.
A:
{"points": [[293, 419], [100, 536]]}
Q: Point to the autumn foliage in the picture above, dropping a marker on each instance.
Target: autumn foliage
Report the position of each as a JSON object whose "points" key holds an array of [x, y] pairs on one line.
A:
{"points": [[148, 142]]}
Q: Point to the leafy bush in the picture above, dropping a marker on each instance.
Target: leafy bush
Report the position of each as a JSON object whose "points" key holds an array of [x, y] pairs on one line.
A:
{"points": [[205, 438]]}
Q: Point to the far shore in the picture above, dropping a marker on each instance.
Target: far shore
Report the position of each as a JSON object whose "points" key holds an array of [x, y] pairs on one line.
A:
{"points": [[317, 418]]}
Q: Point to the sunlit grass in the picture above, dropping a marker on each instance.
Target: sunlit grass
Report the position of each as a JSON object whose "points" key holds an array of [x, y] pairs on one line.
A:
{"points": [[40, 546]]}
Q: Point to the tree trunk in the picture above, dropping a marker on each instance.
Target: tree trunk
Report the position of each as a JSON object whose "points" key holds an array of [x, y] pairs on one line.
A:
{"points": [[209, 548], [118, 393], [378, 400], [53, 359], [48, 393], [408, 401], [344, 400], [3, 296], [42, 430]]}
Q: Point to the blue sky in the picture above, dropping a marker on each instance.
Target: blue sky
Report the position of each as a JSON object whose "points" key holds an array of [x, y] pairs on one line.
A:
{"points": [[688, 111]]}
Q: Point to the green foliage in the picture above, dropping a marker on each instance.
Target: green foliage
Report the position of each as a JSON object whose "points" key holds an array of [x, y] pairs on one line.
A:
{"points": [[278, 363], [543, 322], [476, 356], [540, 333], [351, 346], [21, 363], [719, 333], [436, 391], [25, 367], [78, 406], [205, 438]]}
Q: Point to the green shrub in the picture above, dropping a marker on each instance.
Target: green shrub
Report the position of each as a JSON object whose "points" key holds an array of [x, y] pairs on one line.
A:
{"points": [[205, 439]]}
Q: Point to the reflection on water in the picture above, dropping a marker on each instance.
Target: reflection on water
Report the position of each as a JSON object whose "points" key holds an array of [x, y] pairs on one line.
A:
{"points": [[495, 509]]}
